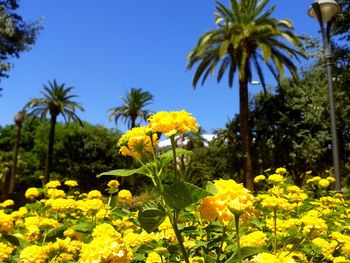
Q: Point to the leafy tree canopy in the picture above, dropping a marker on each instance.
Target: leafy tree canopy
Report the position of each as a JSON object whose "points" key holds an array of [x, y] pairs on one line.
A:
{"points": [[16, 35]]}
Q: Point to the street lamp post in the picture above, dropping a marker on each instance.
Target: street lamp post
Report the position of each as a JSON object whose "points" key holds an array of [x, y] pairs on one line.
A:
{"points": [[18, 118], [323, 11]]}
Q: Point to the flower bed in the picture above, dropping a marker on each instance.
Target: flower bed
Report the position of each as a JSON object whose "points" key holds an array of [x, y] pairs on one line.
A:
{"points": [[280, 223]]}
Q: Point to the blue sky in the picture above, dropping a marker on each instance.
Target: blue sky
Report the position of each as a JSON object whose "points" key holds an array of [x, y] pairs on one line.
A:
{"points": [[105, 47]]}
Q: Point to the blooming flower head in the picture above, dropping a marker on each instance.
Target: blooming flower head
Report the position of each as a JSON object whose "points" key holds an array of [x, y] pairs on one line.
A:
{"points": [[281, 170], [94, 194], [324, 183], [154, 257], [172, 122], [113, 184], [124, 197], [71, 183], [276, 178], [254, 239], [6, 222], [5, 251], [53, 184], [259, 178], [137, 141], [32, 193], [33, 254], [7, 203]]}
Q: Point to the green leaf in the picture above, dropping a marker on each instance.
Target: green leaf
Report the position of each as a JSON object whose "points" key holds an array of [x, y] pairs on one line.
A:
{"points": [[180, 195], [151, 215], [12, 239], [121, 172], [168, 156], [84, 227], [246, 252], [52, 234]]}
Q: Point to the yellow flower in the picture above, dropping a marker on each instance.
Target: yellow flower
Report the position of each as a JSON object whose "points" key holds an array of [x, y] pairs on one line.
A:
{"points": [[136, 142], [7, 203], [313, 179], [71, 183], [33, 254], [94, 194], [113, 184], [104, 249], [55, 193], [53, 184], [324, 183], [32, 193], [5, 251], [6, 222], [281, 170], [124, 197], [276, 178], [254, 239], [172, 122], [154, 257], [207, 208], [327, 247], [259, 178], [340, 259]]}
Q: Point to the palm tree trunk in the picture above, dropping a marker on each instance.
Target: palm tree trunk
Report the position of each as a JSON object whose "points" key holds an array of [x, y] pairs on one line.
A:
{"points": [[244, 127], [48, 162]]}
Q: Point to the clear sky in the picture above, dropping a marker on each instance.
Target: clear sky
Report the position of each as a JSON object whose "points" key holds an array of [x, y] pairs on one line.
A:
{"points": [[105, 47]]}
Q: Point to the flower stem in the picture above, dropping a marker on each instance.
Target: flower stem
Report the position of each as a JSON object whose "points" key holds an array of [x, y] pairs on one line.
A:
{"points": [[221, 243], [179, 238], [238, 238], [173, 146]]}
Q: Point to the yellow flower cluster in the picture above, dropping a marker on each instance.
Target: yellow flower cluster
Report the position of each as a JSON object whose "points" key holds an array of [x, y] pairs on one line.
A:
{"points": [[6, 222], [124, 197], [105, 247], [5, 251], [327, 247], [137, 141], [254, 239], [7, 203], [172, 122], [71, 183], [32, 193], [231, 198], [321, 182]]}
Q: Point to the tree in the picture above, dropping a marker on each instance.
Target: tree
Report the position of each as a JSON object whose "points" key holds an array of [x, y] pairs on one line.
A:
{"points": [[56, 100], [133, 106], [342, 21], [246, 35], [16, 35]]}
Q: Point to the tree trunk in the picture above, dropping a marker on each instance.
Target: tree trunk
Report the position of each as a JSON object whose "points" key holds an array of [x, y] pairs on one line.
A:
{"points": [[48, 162], [244, 129], [15, 158]]}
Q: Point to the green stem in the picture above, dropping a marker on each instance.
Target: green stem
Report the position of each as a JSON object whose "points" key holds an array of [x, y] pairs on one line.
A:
{"points": [[238, 238], [221, 243], [173, 146], [179, 238]]}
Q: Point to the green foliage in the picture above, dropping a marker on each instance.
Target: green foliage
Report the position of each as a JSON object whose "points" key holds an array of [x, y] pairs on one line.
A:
{"points": [[16, 35], [79, 153], [151, 215], [133, 106], [180, 195]]}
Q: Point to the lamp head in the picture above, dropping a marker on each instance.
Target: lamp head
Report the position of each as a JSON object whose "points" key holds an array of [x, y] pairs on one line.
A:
{"points": [[328, 8]]}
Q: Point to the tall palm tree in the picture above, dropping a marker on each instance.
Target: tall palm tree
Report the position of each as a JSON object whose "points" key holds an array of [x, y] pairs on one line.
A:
{"points": [[245, 36], [56, 100], [133, 106]]}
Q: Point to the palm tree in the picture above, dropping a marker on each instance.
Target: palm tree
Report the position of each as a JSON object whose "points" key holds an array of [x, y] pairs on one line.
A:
{"points": [[56, 100], [245, 36], [133, 106]]}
